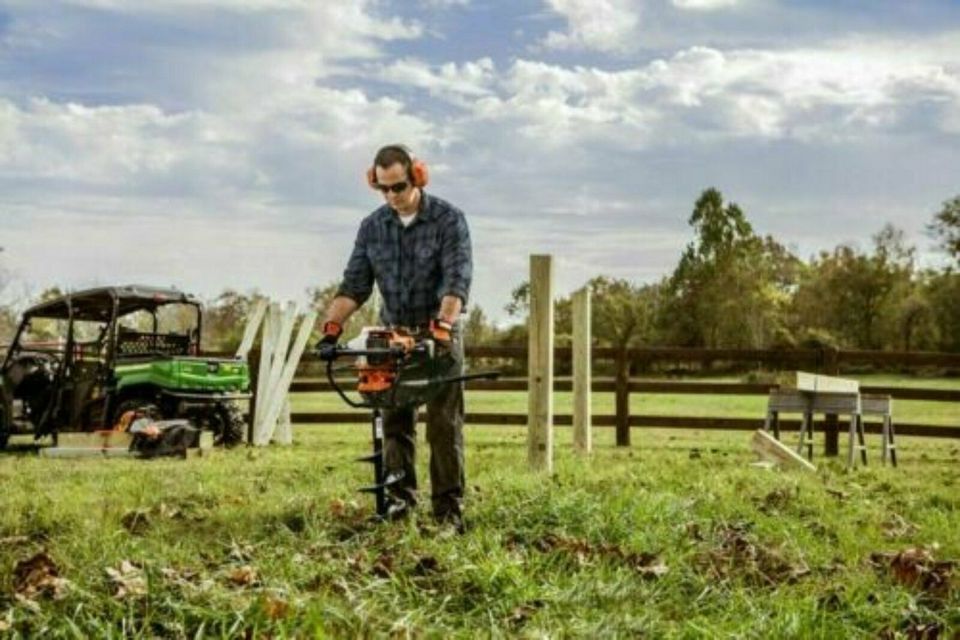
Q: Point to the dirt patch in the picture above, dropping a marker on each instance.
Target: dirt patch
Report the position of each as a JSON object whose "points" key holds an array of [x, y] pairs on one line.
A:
{"points": [[736, 553]]}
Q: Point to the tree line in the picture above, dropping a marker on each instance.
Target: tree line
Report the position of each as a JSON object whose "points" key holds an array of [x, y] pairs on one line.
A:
{"points": [[731, 288]]}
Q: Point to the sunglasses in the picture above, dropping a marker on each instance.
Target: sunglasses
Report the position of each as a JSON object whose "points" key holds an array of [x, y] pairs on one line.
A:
{"points": [[399, 187]]}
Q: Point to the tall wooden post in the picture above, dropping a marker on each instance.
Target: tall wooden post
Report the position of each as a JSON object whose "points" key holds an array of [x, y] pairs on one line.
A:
{"points": [[831, 427], [622, 386], [540, 365], [582, 437]]}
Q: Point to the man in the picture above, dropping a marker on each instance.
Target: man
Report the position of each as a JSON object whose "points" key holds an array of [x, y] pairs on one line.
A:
{"points": [[416, 248]]}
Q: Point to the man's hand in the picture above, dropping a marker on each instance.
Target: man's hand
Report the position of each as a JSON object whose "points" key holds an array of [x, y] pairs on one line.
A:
{"points": [[327, 346], [442, 333]]}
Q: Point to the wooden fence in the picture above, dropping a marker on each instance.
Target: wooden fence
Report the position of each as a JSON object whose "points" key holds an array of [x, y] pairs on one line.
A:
{"points": [[829, 362]]}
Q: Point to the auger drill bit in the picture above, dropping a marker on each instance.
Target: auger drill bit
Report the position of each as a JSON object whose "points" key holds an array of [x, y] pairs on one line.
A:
{"points": [[381, 481]]}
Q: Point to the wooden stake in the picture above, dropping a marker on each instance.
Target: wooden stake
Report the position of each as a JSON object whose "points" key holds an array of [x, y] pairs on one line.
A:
{"points": [[267, 339], [282, 388], [769, 448], [582, 437], [540, 365], [250, 332]]}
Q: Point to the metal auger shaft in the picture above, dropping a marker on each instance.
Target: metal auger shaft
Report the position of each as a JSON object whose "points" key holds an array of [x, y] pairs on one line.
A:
{"points": [[381, 481]]}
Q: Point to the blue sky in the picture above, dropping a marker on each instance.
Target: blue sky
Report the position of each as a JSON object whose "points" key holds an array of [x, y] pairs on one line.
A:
{"points": [[222, 143]]}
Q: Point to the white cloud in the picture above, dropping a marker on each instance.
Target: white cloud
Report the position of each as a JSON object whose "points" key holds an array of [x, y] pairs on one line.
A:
{"points": [[704, 5], [836, 92], [468, 80], [602, 25], [443, 4]]}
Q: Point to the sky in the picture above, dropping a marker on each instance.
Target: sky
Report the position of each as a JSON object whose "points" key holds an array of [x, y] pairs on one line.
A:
{"points": [[212, 144]]}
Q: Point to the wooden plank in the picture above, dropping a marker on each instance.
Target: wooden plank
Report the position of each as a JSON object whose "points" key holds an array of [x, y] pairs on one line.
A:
{"points": [[582, 436], [280, 391], [94, 439], [250, 331], [769, 448], [281, 347], [905, 393], [876, 404], [662, 422], [87, 452], [267, 340], [816, 383], [540, 365]]}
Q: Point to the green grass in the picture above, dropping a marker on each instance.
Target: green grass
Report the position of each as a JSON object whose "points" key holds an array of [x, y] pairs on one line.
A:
{"points": [[278, 511], [544, 555]]}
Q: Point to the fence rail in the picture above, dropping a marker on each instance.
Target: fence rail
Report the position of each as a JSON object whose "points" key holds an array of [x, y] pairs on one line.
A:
{"points": [[821, 360]]}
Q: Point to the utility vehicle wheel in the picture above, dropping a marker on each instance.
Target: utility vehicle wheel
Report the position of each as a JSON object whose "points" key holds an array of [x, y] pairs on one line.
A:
{"points": [[230, 427]]}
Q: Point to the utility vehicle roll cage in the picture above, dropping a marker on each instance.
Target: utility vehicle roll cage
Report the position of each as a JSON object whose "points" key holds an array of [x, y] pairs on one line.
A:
{"points": [[107, 305]]}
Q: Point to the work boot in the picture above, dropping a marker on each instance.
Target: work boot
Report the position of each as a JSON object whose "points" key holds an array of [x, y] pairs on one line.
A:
{"points": [[452, 518], [397, 510]]}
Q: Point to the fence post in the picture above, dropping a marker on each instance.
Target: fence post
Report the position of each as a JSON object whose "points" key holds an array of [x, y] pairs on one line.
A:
{"points": [[623, 399], [831, 427], [540, 365], [582, 438]]}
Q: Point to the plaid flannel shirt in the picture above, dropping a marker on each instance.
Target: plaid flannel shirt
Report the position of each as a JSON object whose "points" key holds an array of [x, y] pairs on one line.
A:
{"points": [[415, 266]]}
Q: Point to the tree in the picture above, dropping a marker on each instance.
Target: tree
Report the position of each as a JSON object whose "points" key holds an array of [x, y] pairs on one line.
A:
{"points": [[852, 294], [622, 313], [731, 287], [366, 316], [942, 292], [946, 227], [225, 319], [477, 329]]}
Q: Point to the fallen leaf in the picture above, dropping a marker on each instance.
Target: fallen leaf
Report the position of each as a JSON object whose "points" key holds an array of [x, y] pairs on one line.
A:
{"points": [[180, 577], [276, 608], [897, 527], [244, 576], [426, 565], [841, 496], [39, 576], [777, 499], [128, 581], [648, 565], [692, 529], [240, 552], [924, 631], [337, 507], [522, 613], [383, 566], [136, 521], [737, 552], [917, 569]]}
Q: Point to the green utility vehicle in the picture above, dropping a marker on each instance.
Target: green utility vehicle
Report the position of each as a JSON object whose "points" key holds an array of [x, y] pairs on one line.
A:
{"points": [[81, 361]]}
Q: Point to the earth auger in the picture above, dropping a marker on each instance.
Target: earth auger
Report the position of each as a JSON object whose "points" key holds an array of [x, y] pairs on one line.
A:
{"points": [[395, 370]]}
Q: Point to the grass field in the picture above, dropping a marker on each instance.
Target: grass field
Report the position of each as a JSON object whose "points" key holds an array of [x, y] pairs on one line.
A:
{"points": [[678, 536]]}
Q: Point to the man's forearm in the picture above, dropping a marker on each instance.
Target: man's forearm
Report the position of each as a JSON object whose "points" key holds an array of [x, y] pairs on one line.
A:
{"points": [[340, 310], [450, 307]]}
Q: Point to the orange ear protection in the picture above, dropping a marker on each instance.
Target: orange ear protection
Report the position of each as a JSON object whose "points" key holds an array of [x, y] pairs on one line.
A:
{"points": [[419, 175]]}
